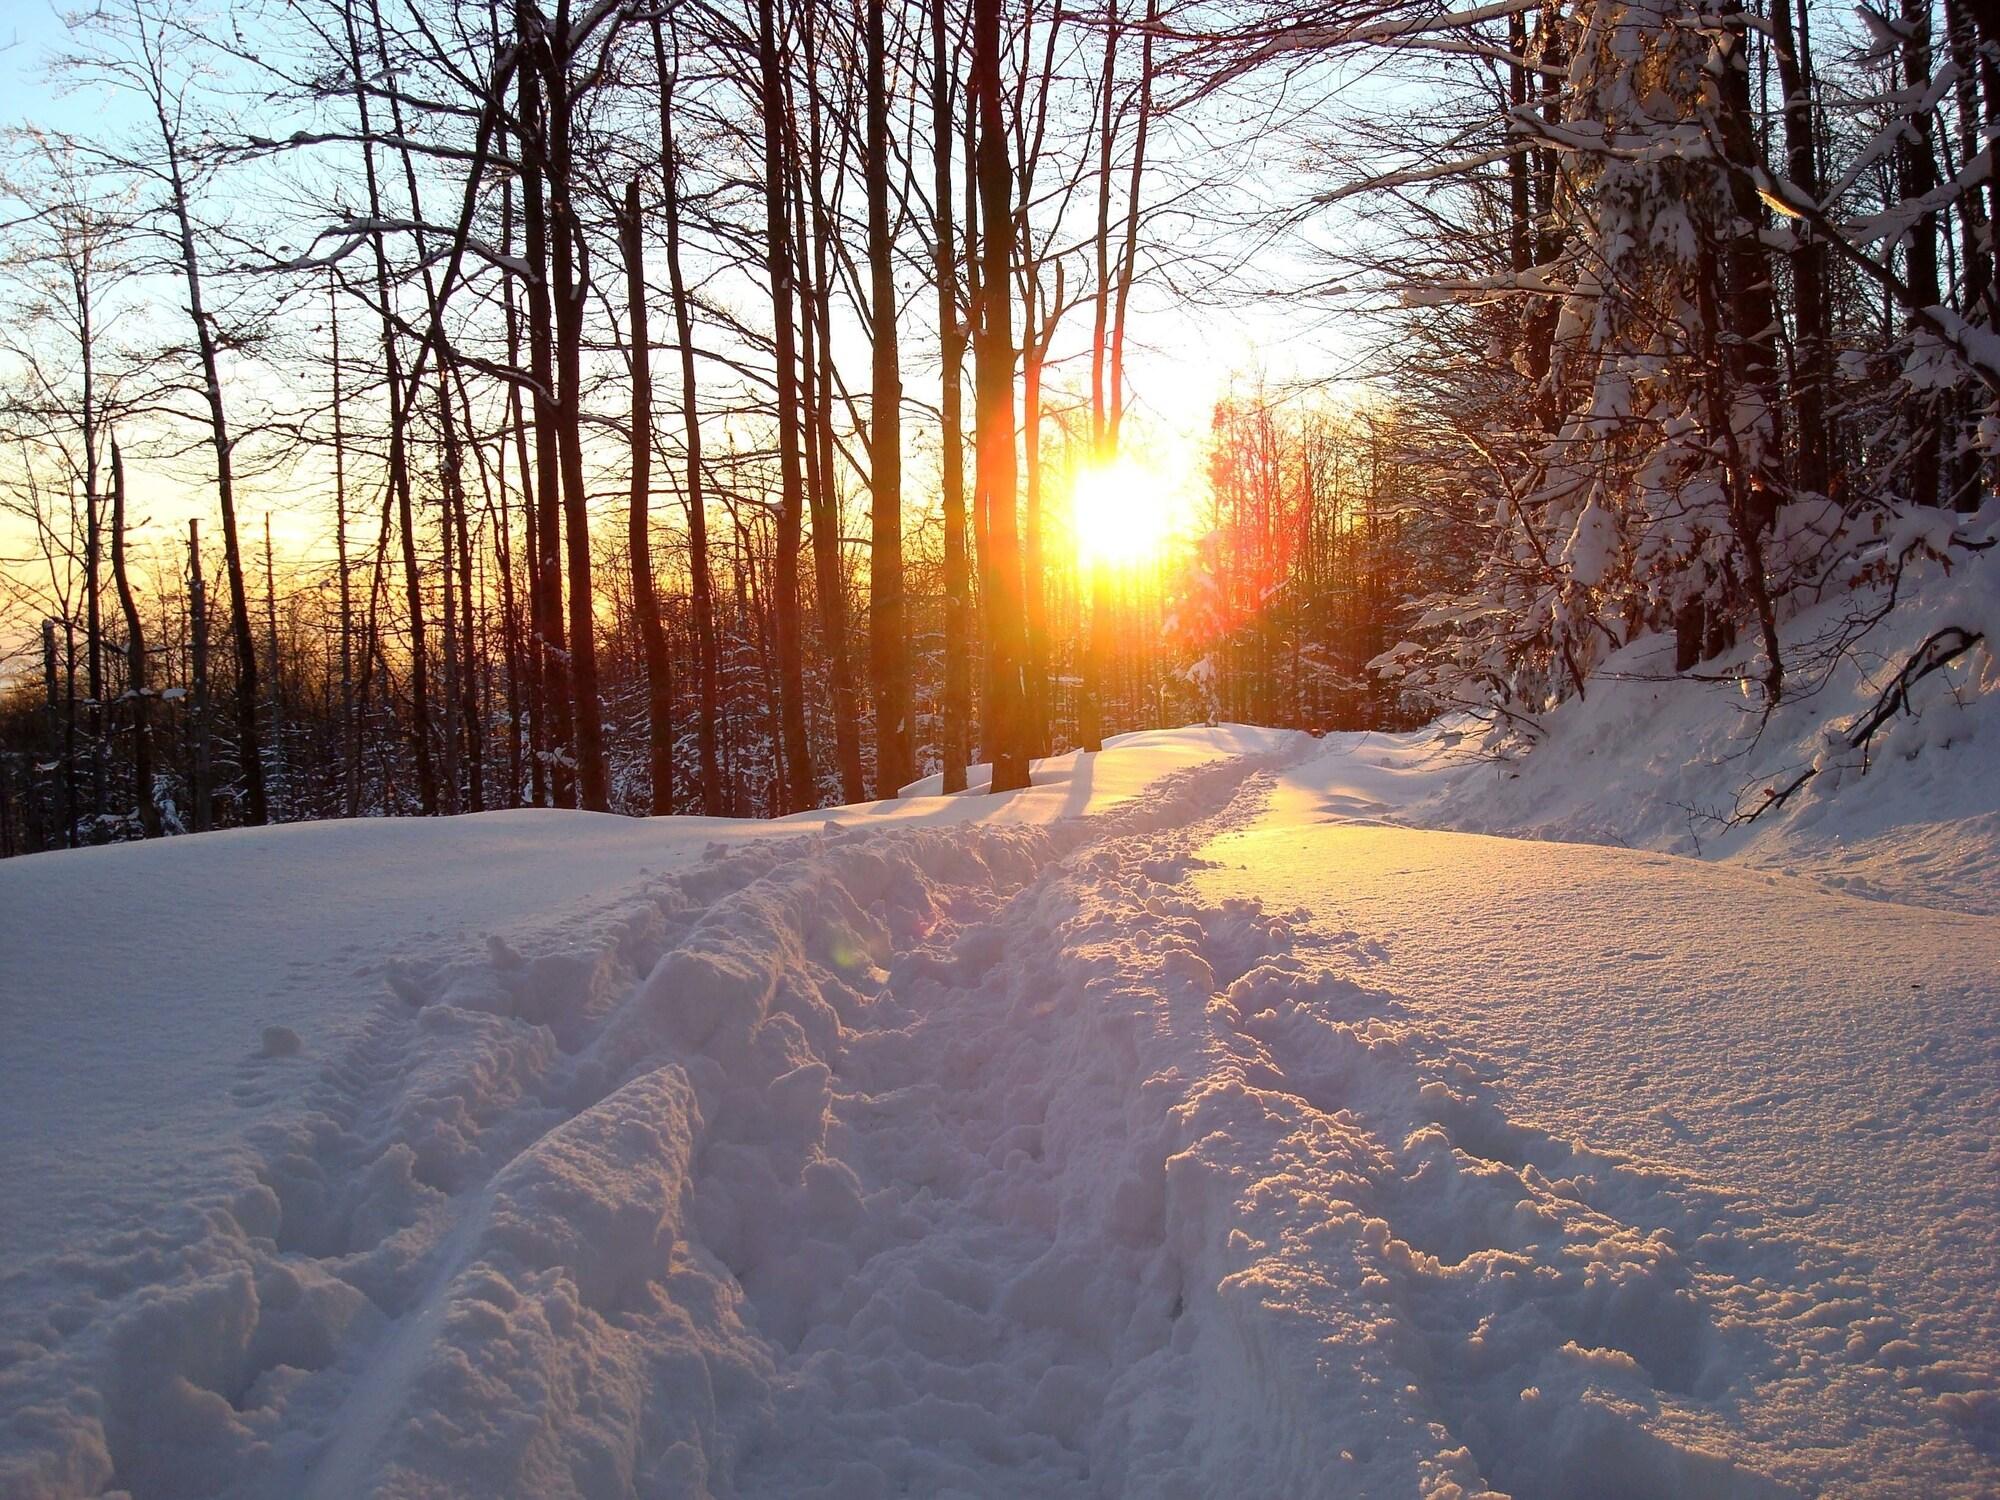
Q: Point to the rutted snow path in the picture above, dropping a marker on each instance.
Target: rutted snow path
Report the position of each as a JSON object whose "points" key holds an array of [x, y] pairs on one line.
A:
{"points": [[979, 1161]]}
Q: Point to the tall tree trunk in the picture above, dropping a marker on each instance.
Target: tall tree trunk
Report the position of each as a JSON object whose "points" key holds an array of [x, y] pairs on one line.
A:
{"points": [[1000, 560], [659, 681], [400, 402], [1090, 714], [956, 747], [1916, 176], [135, 657], [248, 746], [1519, 210], [551, 634], [1808, 257], [800, 792], [519, 689], [888, 630], [277, 725], [1035, 688], [448, 663], [713, 801], [1980, 301], [1107, 136], [568, 259], [350, 723], [462, 698], [528, 643], [1128, 256], [982, 638], [93, 543], [203, 785], [816, 384], [1037, 333], [1743, 388]]}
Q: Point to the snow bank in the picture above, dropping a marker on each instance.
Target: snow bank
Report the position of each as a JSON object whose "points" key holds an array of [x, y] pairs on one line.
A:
{"points": [[1652, 760]]}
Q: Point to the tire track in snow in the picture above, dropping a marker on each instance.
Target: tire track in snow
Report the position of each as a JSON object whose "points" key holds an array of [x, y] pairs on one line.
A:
{"points": [[469, 1263], [1239, 1224]]}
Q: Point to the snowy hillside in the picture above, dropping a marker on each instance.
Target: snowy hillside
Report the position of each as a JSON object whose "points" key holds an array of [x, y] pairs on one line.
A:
{"points": [[1186, 1125], [1660, 761]]}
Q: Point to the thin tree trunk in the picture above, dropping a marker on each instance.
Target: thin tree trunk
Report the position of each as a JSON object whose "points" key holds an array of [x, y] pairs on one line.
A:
{"points": [[1091, 714], [549, 628], [1128, 257], [468, 596], [1979, 300], [888, 643], [93, 543], [203, 787], [72, 804], [529, 642], [659, 681], [709, 670], [1808, 257], [1518, 207], [816, 399], [570, 267], [956, 748], [1000, 561], [1916, 173], [398, 455], [350, 724], [135, 656], [799, 789], [1101, 299], [277, 727], [248, 746], [1035, 691]]}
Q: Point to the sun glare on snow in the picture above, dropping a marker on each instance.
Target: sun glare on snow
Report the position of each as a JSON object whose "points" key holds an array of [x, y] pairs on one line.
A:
{"points": [[1121, 513]]}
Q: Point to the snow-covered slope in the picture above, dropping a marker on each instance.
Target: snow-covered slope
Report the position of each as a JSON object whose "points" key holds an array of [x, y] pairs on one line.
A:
{"points": [[1181, 1126], [1657, 761]]}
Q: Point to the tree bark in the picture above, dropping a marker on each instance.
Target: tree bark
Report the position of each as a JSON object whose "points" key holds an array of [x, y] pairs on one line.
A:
{"points": [[816, 401], [955, 748], [1916, 176], [248, 746], [1128, 256], [888, 630], [799, 790], [551, 633], [998, 473], [1811, 358], [202, 784], [570, 274], [398, 454], [659, 679], [713, 801], [135, 657]]}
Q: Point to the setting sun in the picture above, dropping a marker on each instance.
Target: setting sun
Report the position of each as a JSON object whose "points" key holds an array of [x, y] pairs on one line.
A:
{"points": [[1121, 514]]}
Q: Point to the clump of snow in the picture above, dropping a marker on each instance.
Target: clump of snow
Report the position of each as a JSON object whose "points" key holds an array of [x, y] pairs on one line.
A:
{"points": [[280, 1041]]}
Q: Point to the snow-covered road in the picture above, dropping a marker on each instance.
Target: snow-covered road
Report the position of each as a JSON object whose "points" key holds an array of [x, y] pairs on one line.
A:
{"points": [[1179, 1128]]}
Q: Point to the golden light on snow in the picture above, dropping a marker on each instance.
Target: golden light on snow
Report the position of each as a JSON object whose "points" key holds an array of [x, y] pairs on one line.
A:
{"points": [[1121, 513]]}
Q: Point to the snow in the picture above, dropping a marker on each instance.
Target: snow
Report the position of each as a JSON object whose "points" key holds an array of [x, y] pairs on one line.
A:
{"points": [[1193, 1122], [1651, 760]]}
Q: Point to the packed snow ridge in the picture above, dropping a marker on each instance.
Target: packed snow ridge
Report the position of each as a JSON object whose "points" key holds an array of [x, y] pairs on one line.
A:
{"points": [[1183, 1127]]}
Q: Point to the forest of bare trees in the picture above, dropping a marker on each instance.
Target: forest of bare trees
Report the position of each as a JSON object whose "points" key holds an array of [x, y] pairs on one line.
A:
{"points": [[686, 407]]}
